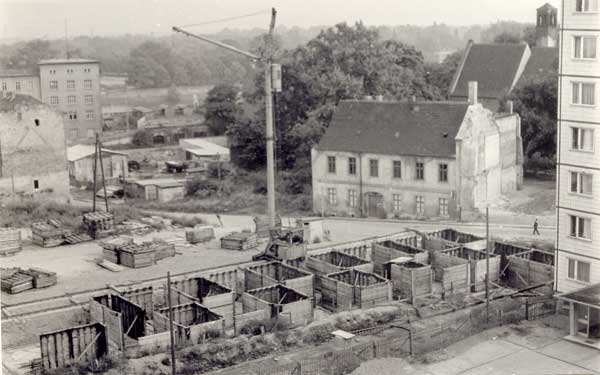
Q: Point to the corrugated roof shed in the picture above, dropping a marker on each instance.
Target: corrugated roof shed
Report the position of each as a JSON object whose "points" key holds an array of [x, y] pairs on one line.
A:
{"points": [[493, 66], [77, 152], [394, 128]]}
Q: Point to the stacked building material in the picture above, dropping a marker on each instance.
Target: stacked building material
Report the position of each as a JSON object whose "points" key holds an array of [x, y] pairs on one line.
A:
{"points": [[262, 225], [136, 256], [12, 281], [111, 248], [41, 277], [162, 248], [239, 241], [99, 224], [200, 233], [10, 241], [48, 234]]}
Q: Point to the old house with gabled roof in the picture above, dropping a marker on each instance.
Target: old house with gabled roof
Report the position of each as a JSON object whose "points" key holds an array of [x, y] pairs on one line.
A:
{"points": [[419, 159]]}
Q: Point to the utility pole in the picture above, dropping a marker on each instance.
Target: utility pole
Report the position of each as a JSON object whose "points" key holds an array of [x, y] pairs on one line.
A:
{"points": [[268, 103], [173, 367], [487, 264]]}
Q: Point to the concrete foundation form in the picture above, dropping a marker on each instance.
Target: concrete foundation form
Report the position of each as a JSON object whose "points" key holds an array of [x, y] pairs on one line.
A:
{"points": [[281, 302], [353, 288], [386, 251], [477, 264], [533, 267], [411, 279], [273, 273]]}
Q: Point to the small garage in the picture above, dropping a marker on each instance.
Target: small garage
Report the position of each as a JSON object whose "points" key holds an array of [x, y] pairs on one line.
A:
{"points": [[162, 190]]}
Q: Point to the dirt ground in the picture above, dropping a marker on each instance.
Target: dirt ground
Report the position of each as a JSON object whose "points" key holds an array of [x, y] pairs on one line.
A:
{"points": [[528, 347]]}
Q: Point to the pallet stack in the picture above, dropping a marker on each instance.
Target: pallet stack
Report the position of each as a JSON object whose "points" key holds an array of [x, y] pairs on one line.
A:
{"points": [[99, 224], [111, 248], [41, 277], [162, 249], [10, 241], [239, 241], [262, 225], [48, 234], [200, 233], [12, 281], [136, 256]]}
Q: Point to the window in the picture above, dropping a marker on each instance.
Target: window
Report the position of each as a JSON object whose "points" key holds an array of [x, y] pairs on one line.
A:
{"points": [[90, 133], [583, 93], [17, 86], [89, 115], [420, 171], [30, 85], [582, 139], [73, 133], [443, 173], [352, 198], [72, 115], [580, 227], [581, 183], [71, 99], [331, 164], [579, 270], [443, 206], [70, 71], [54, 100], [420, 204], [374, 167], [87, 84], [158, 139], [36, 122], [36, 184], [70, 84], [53, 85], [88, 99], [352, 166], [331, 196], [584, 47], [52, 71], [4, 88], [397, 202], [397, 166], [582, 6]]}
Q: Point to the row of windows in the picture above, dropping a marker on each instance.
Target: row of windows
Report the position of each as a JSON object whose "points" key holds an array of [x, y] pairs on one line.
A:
{"points": [[72, 99], [28, 85], [87, 84], [70, 71], [74, 133], [72, 115], [396, 168], [584, 6], [396, 201]]}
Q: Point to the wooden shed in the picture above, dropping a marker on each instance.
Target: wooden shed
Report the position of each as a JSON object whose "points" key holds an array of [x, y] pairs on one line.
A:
{"points": [[157, 189], [81, 163]]}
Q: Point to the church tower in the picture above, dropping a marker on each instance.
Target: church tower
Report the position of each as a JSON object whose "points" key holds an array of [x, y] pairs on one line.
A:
{"points": [[546, 30]]}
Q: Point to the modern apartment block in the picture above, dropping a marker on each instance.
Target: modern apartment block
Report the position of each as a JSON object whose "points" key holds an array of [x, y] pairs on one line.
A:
{"points": [[578, 180], [72, 86]]}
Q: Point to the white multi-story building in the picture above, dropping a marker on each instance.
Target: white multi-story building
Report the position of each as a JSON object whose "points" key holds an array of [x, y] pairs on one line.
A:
{"points": [[578, 179]]}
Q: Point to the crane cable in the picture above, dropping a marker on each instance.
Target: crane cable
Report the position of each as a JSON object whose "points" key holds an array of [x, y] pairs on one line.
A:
{"points": [[229, 18]]}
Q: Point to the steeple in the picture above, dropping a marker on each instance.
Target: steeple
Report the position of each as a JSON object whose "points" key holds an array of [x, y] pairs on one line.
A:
{"points": [[546, 29]]}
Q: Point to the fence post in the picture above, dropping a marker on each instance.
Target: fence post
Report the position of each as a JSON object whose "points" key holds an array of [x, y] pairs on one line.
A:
{"points": [[526, 308]]}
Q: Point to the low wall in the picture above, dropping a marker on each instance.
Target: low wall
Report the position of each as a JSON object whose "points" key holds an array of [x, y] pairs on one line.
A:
{"points": [[65, 347], [529, 268], [297, 313], [142, 297], [112, 320], [241, 320]]}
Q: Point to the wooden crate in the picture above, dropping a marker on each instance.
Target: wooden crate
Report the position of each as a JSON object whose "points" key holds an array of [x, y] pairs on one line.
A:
{"points": [[10, 241], [41, 278], [239, 241], [162, 249], [14, 281], [99, 224], [48, 234], [262, 225], [199, 234], [136, 256]]}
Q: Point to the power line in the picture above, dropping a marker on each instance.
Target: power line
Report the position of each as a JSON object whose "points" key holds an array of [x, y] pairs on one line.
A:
{"points": [[268, 11]]}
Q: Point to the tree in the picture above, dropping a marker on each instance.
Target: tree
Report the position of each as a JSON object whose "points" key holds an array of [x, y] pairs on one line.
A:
{"points": [[441, 75], [150, 65], [221, 108], [173, 96], [247, 143], [28, 54], [507, 38]]}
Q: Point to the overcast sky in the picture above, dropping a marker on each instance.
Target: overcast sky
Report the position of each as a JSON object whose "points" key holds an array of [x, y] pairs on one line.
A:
{"points": [[46, 18]]}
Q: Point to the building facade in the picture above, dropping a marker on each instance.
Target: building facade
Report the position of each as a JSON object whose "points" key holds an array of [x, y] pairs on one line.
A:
{"points": [[578, 170], [430, 159], [72, 86], [20, 82], [33, 160]]}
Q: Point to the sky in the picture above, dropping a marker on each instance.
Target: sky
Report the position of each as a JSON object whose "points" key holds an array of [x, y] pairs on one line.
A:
{"points": [[26, 19]]}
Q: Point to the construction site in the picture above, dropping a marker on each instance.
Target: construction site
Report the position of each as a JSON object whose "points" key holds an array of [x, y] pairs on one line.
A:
{"points": [[326, 293]]}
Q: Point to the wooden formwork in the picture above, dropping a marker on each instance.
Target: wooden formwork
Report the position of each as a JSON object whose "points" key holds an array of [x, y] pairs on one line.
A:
{"points": [[411, 279], [272, 273], [452, 272], [477, 264], [10, 241], [385, 251], [453, 235], [218, 298], [62, 348], [137, 255], [504, 250], [142, 297], [533, 267], [132, 316], [352, 288], [334, 261], [281, 302]]}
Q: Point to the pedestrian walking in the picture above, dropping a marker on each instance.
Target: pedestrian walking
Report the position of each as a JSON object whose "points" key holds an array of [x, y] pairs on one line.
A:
{"points": [[535, 227]]}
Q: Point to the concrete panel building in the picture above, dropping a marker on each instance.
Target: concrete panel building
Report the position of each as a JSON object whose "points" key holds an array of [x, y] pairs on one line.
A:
{"points": [[33, 160], [427, 159]]}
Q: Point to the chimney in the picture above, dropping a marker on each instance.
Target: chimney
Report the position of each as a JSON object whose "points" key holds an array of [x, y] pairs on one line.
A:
{"points": [[379, 98], [472, 92], [509, 106]]}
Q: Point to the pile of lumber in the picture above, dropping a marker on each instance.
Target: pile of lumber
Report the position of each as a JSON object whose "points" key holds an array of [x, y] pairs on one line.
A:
{"points": [[111, 248], [48, 234], [10, 241], [162, 249], [199, 233], [17, 280], [262, 225], [239, 241], [136, 256], [99, 224]]}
